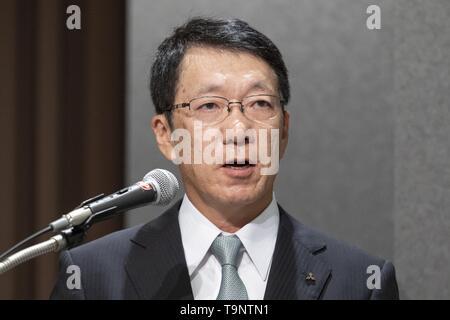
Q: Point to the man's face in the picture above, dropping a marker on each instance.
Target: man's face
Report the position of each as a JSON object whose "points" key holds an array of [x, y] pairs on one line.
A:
{"points": [[233, 75]]}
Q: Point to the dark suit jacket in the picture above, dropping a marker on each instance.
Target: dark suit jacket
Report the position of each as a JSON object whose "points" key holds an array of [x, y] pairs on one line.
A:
{"points": [[147, 262]]}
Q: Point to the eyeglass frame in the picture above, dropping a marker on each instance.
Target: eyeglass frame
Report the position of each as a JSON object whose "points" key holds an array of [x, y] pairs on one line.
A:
{"points": [[170, 108]]}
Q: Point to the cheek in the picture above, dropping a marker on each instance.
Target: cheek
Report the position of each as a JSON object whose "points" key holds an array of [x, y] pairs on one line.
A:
{"points": [[270, 140], [199, 174]]}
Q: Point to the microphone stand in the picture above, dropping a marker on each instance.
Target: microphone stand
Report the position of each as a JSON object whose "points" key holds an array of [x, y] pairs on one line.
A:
{"points": [[67, 239]]}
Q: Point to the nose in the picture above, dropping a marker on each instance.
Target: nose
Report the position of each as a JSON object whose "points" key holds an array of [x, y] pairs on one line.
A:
{"points": [[238, 123], [236, 114]]}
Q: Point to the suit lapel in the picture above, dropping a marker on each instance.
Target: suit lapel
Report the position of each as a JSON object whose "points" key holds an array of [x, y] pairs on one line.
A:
{"points": [[296, 271], [156, 264], [157, 267]]}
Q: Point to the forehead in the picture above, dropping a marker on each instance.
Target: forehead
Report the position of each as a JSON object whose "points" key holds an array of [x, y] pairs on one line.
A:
{"points": [[215, 71]]}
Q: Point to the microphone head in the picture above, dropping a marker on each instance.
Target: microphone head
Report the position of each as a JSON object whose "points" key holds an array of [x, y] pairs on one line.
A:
{"points": [[165, 183]]}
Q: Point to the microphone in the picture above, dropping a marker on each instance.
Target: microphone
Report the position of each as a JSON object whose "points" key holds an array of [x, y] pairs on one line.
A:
{"points": [[158, 187]]}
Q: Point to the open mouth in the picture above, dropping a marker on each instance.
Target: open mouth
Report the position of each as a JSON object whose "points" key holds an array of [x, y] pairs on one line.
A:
{"points": [[240, 165]]}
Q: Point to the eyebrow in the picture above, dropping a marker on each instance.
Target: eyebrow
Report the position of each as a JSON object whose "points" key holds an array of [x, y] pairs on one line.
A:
{"points": [[215, 87], [207, 89]]}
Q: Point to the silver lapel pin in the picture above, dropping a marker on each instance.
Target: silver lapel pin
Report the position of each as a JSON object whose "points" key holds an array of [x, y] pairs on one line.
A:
{"points": [[310, 277]]}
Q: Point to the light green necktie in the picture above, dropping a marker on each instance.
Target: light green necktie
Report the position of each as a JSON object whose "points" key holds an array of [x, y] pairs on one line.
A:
{"points": [[226, 249]]}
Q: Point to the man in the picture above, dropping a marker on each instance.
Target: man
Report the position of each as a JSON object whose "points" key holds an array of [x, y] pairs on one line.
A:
{"points": [[228, 238]]}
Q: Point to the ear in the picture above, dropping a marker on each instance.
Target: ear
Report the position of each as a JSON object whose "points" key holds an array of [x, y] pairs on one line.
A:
{"points": [[284, 133], [162, 131]]}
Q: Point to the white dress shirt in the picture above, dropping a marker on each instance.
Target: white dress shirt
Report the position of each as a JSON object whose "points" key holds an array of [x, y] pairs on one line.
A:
{"points": [[258, 238]]}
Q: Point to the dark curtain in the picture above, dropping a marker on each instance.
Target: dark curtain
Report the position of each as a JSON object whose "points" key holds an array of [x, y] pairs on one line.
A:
{"points": [[62, 123]]}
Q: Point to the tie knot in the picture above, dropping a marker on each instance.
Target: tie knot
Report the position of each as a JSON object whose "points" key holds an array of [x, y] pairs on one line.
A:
{"points": [[226, 249]]}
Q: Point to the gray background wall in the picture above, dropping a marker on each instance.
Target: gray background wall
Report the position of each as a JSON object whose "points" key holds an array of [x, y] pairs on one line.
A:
{"points": [[368, 156]]}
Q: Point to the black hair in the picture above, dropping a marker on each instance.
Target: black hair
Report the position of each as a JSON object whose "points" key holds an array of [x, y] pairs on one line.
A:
{"points": [[229, 34]]}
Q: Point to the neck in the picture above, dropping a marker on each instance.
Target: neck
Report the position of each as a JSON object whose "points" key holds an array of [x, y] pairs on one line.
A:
{"points": [[228, 217]]}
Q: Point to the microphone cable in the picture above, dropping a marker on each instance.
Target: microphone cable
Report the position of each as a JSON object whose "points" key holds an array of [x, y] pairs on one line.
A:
{"points": [[21, 243]]}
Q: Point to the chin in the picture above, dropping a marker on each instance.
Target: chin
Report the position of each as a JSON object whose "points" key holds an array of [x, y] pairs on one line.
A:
{"points": [[239, 197]]}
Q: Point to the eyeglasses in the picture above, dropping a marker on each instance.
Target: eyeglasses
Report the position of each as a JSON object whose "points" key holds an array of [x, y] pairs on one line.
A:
{"points": [[214, 109]]}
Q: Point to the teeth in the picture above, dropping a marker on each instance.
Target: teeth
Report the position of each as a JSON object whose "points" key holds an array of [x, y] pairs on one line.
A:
{"points": [[238, 163], [235, 164]]}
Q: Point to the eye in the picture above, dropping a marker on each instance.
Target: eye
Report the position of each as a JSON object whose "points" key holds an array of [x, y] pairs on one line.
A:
{"points": [[262, 104], [208, 107]]}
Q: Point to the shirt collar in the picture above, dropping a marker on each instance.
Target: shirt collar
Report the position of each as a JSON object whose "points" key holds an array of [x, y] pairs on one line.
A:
{"points": [[258, 236], [197, 234]]}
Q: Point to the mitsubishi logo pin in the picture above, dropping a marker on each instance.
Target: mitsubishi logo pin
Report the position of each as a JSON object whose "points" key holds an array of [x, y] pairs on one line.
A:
{"points": [[310, 278]]}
